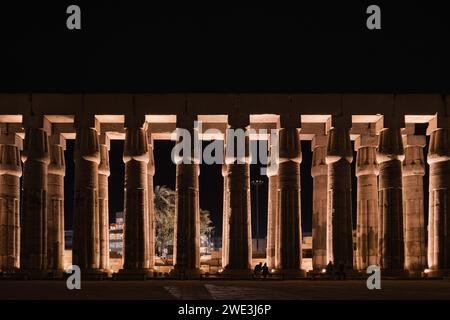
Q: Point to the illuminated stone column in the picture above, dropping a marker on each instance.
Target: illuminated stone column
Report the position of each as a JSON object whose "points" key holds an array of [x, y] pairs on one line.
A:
{"points": [[319, 172], [187, 222], [86, 220], [10, 173], [367, 202], [55, 205], [135, 156], [272, 220], [390, 229], [339, 214], [151, 202], [413, 204], [239, 233], [103, 200], [225, 217], [33, 253], [290, 232], [439, 213]]}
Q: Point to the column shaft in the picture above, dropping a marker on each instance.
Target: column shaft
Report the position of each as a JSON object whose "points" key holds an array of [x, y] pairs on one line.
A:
{"points": [[10, 173], [413, 205], [103, 200], [33, 253], [272, 223], [136, 200], [151, 205], [187, 227], [225, 217], [367, 206], [439, 213], [390, 234], [319, 172], [290, 234], [339, 235], [86, 220], [55, 208]]}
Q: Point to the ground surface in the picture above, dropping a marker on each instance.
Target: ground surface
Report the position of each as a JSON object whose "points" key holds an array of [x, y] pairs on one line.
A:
{"points": [[265, 290]]}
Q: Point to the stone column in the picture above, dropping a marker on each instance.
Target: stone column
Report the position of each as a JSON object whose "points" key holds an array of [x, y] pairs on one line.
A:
{"points": [[135, 156], [319, 172], [33, 253], [390, 233], [290, 232], [86, 220], [272, 221], [367, 202], [103, 200], [339, 235], [151, 202], [187, 222], [10, 173], [439, 213], [225, 217], [413, 204], [239, 233], [55, 205]]}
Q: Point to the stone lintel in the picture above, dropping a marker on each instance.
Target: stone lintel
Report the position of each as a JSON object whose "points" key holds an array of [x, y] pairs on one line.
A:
{"points": [[37, 121], [342, 121], [319, 140], [437, 122], [11, 139]]}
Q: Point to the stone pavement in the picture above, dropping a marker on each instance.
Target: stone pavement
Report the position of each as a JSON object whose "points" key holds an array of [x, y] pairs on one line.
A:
{"points": [[230, 290]]}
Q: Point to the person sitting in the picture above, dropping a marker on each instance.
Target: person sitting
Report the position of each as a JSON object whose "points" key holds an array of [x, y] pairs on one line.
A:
{"points": [[265, 271], [257, 270]]}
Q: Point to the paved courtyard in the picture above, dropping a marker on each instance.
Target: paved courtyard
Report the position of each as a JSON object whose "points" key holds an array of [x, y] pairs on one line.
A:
{"points": [[215, 289]]}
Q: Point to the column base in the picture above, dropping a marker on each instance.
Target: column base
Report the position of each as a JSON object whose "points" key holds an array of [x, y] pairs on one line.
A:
{"points": [[31, 275], [291, 273], [94, 274], [396, 274], [56, 274], [241, 274], [133, 274], [185, 274]]}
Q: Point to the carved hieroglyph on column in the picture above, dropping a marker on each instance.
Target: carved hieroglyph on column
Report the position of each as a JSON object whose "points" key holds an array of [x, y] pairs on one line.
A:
{"points": [[290, 232], [239, 231], [151, 202], [103, 200], [390, 229], [319, 172], [187, 222], [439, 212], [367, 202], [33, 253], [55, 204], [136, 235], [413, 204], [10, 173], [339, 235], [86, 220]]}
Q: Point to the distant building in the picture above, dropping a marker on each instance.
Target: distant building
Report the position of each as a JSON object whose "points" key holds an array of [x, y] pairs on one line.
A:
{"points": [[116, 236], [68, 238]]}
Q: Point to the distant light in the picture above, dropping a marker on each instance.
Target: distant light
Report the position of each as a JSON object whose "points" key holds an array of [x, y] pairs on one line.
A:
{"points": [[273, 270], [220, 270], [427, 271], [324, 270]]}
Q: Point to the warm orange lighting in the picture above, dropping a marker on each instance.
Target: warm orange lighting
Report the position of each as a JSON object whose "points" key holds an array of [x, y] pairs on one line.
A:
{"points": [[220, 270], [324, 270], [427, 271]]}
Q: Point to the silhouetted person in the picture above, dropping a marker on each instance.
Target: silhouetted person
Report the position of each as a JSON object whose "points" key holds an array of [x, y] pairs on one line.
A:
{"points": [[265, 270], [330, 269], [257, 270]]}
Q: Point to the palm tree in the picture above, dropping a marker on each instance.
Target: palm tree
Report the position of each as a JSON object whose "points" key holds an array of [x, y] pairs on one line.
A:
{"points": [[164, 202]]}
